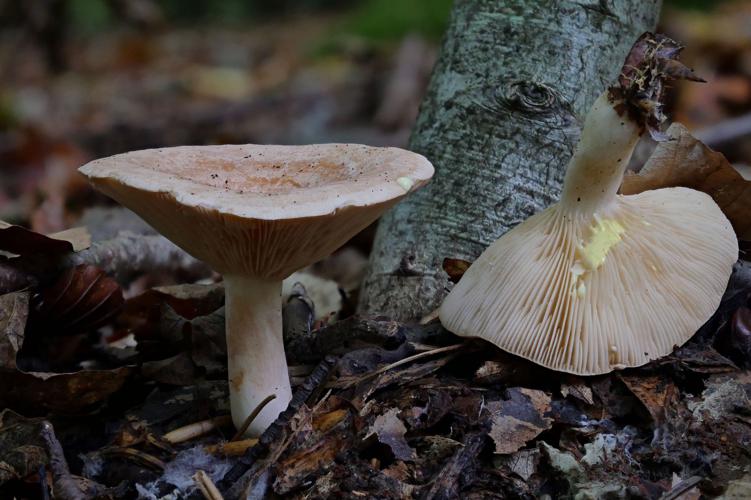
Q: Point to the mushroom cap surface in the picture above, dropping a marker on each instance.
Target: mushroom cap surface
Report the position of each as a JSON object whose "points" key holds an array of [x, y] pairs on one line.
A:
{"points": [[586, 295], [262, 211]]}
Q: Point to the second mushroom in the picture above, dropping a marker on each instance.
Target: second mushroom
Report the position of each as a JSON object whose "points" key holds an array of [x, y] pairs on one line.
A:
{"points": [[600, 281]]}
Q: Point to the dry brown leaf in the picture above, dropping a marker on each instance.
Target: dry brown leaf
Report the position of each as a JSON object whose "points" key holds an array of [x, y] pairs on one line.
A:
{"points": [[390, 431], [654, 392], [686, 161], [62, 393], [577, 390], [519, 419], [187, 300], [18, 240], [79, 237], [39, 392], [82, 298], [303, 464]]}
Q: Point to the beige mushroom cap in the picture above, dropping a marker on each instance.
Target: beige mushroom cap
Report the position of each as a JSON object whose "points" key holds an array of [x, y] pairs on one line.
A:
{"points": [[546, 292], [262, 211]]}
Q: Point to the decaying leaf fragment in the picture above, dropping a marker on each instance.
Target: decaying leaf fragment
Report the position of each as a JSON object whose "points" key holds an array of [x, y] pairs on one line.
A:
{"points": [[685, 161], [35, 391], [21, 447], [14, 309], [519, 419], [390, 431], [577, 389], [654, 392]]}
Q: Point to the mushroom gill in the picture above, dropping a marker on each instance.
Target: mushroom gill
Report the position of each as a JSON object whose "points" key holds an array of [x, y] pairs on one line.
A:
{"points": [[600, 281]]}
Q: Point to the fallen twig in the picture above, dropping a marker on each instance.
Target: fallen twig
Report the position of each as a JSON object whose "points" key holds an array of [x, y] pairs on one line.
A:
{"points": [[196, 429], [350, 381], [341, 337], [250, 469], [134, 455], [207, 486], [63, 485], [231, 448]]}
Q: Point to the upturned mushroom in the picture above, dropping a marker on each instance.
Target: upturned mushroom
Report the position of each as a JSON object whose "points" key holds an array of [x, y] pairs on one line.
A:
{"points": [[256, 214], [599, 281]]}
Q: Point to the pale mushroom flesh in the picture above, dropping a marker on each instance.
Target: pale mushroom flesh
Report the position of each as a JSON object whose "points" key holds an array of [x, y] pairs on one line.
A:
{"points": [[256, 214]]}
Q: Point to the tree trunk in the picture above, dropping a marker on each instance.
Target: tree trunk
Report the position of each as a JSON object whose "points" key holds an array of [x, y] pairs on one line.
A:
{"points": [[500, 120]]}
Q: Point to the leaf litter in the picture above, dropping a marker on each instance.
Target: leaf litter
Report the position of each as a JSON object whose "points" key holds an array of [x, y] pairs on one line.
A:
{"points": [[404, 410], [380, 409]]}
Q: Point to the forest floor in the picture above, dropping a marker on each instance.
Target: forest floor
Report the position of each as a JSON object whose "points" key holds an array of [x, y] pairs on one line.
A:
{"points": [[107, 361]]}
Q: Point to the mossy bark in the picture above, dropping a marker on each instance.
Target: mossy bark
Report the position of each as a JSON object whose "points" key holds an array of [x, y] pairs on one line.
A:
{"points": [[500, 121]]}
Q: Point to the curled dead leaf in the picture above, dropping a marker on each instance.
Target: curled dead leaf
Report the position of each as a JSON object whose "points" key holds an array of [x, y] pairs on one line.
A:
{"points": [[41, 392], [18, 240], [82, 298], [685, 161]]}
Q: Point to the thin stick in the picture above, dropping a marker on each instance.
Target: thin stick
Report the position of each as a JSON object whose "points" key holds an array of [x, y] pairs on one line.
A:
{"points": [[245, 470], [231, 448], [196, 429], [207, 486], [252, 416], [134, 455], [350, 381]]}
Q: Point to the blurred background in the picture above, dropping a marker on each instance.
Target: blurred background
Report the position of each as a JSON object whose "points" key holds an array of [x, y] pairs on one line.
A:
{"points": [[81, 79]]}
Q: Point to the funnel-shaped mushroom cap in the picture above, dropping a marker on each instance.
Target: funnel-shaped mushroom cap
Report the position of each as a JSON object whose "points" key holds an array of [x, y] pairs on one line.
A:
{"points": [[588, 295], [262, 211]]}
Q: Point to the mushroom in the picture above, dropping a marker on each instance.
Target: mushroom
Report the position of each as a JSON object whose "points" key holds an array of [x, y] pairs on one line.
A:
{"points": [[256, 214], [600, 281]]}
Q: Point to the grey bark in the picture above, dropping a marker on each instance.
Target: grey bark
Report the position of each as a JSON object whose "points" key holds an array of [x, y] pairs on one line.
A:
{"points": [[500, 120]]}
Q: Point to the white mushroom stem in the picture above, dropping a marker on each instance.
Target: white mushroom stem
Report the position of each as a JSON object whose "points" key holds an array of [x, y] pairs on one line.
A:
{"points": [[255, 350], [596, 170]]}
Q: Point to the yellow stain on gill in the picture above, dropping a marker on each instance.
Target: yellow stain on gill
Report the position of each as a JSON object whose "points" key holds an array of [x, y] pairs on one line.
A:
{"points": [[604, 235], [591, 254]]}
